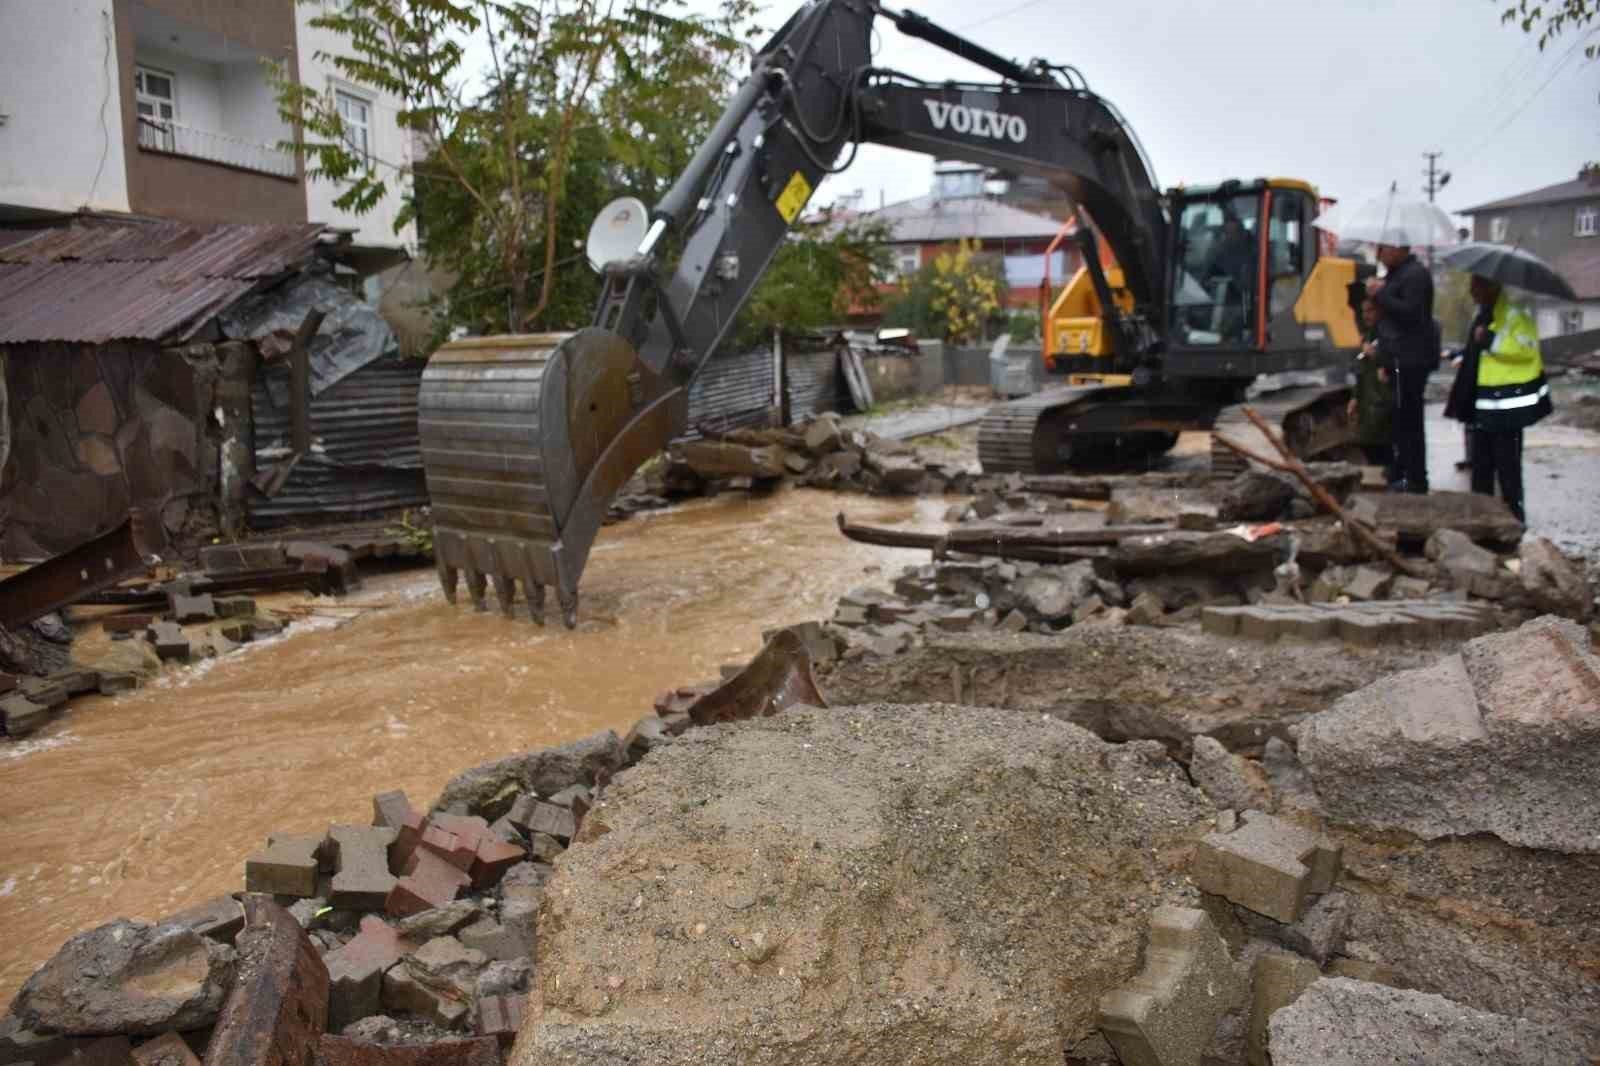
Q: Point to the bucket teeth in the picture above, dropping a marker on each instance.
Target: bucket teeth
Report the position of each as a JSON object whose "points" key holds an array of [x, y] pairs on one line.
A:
{"points": [[535, 593], [477, 586], [505, 590], [448, 575]]}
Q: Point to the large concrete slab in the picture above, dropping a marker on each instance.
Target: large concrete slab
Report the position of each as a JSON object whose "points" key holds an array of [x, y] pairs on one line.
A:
{"points": [[1502, 738], [1340, 1022]]}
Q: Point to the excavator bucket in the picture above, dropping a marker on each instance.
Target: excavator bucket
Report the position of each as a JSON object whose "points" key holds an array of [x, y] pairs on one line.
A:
{"points": [[525, 440]]}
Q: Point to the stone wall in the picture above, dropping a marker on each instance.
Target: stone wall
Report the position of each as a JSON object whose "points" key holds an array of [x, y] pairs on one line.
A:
{"points": [[97, 430]]}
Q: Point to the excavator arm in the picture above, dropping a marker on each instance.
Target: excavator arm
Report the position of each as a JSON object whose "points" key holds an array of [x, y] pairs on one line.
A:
{"points": [[526, 439]]}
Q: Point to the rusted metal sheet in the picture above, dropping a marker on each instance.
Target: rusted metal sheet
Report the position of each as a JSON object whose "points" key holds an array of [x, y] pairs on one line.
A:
{"points": [[731, 391], [343, 1051], [778, 677], [98, 282], [278, 1009], [85, 570]]}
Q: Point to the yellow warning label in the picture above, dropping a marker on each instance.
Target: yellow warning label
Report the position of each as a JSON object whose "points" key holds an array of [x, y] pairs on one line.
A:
{"points": [[794, 197]]}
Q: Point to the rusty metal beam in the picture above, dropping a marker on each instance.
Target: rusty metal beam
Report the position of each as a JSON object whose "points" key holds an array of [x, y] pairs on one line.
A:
{"points": [[81, 572]]}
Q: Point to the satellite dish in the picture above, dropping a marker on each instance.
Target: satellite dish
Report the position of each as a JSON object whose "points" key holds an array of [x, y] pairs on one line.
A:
{"points": [[617, 231]]}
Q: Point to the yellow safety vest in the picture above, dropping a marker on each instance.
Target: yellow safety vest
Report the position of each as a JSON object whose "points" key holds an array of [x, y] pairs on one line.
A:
{"points": [[1512, 391]]}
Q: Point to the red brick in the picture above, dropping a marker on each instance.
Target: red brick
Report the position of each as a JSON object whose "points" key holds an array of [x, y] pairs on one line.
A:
{"points": [[500, 1017], [493, 859], [448, 846], [429, 882], [390, 809], [405, 842], [470, 828]]}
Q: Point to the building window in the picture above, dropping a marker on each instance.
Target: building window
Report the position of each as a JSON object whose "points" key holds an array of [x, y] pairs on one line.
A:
{"points": [[1585, 222], [1571, 321], [155, 94], [1497, 228], [356, 114], [907, 261]]}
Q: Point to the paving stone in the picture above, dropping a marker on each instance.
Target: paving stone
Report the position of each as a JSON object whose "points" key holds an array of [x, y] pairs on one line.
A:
{"points": [[1307, 625], [402, 991], [407, 836], [493, 858], [1167, 1014], [169, 640], [449, 846], [1258, 623], [429, 881], [355, 971], [112, 684], [847, 615], [218, 919], [1340, 1022], [46, 692], [288, 867], [1367, 630], [1368, 582], [468, 828], [189, 609], [537, 816], [1220, 621], [448, 966], [499, 1017], [21, 716], [390, 809], [237, 630], [168, 1049], [542, 847], [1276, 980], [234, 606], [1268, 865], [361, 880]]}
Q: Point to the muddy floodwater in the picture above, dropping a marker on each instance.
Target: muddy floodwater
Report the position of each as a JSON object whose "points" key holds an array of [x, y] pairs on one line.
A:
{"points": [[150, 802]]}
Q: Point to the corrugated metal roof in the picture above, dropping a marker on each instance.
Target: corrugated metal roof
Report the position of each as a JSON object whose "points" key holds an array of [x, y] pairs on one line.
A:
{"points": [[96, 282], [928, 218]]}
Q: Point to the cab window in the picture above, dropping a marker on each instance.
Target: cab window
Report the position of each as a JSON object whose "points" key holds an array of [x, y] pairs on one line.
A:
{"points": [[1214, 298]]}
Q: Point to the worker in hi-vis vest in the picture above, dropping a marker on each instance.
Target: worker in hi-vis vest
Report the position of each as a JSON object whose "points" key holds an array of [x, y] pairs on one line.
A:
{"points": [[1512, 393]]}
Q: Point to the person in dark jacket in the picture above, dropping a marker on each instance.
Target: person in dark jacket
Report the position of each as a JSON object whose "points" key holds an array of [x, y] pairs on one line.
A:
{"points": [[1408, 344], [1464, 388], [1372, 406]]}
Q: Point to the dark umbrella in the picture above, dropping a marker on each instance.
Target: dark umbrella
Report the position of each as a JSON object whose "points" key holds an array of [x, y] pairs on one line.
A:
{"points": [[1509, 266]]}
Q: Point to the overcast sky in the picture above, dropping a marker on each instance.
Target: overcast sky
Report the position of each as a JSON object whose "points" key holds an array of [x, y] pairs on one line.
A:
{"points": [[1346, 94]]}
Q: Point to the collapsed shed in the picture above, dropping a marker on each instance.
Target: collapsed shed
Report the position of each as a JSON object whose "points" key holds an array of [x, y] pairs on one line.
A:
{"points": [[133, 353]]}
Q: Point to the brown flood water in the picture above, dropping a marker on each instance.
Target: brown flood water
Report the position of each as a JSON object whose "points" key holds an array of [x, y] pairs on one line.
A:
{"points": [[149, 803]]}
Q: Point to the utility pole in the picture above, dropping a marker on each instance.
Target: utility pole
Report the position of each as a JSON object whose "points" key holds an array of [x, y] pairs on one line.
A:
{"points": [[1437, 179]]}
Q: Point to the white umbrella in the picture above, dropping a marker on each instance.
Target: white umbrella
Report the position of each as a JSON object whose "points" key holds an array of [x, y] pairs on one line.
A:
{"points": [[1387, 219]]}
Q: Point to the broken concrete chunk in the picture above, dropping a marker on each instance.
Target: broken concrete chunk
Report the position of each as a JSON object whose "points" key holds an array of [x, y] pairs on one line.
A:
{"points": [[189, 609], [1318, 934], [288, 867], [1228, 780], [21, 716], [1502, 738], [441, 921], [128, 977], [168, 1049], [493, 939], [402, 991], [537, 816], [542, 772], [1369, 582], [220, 919], [1269, 865], [1166, 1015], [1340, 1022], [1554, 582]]}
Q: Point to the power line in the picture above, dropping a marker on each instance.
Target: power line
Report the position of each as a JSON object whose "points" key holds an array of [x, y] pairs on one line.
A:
{"points": [[1561, 65], [1000, 14]]}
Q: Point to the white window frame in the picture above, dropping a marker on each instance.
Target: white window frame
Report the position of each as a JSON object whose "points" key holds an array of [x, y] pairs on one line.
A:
{"points": [[1572, 321], [342, 94], [1586, 221], [1498, 226], [905, 258], [142, 96]]}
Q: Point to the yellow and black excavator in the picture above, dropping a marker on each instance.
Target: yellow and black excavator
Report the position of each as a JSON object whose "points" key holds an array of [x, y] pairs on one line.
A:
{"points": [[525, 439]]}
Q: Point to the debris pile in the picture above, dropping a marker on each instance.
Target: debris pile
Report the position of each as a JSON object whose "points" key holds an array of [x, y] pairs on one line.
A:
{"points": [[822, 453]]}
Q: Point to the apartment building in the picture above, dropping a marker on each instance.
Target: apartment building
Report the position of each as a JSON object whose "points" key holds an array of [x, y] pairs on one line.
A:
{"points": [[166, 109]]}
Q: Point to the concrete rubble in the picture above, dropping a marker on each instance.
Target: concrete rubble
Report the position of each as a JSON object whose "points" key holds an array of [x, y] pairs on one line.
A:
{"points": [[1340, 1022]]}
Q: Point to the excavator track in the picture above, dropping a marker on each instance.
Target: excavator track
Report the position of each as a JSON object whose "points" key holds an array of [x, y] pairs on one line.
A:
{"points": [[1031, 435], [525, 439], [1312, 420]]}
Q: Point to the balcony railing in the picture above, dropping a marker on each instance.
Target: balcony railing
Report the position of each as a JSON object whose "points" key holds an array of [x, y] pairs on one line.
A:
{"points": [[174, 138]]}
